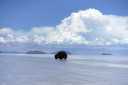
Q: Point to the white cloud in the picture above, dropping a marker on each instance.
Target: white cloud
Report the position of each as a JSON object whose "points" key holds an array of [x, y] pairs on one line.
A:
{"points": [[6, 30], [38, 39], [2, 40], [22, 39], [89, 27]]}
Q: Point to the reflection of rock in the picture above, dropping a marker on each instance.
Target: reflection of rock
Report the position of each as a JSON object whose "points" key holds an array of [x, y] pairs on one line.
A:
{"points": [[106, 54], [35, 52], [61, 55]]}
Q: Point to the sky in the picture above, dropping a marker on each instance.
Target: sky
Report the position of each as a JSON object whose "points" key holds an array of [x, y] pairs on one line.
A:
{"points": [[25, 14], [46, 22]]}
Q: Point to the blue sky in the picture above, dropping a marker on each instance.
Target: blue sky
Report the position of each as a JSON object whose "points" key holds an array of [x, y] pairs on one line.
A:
{"points": [[38, 23], [25, 14]]}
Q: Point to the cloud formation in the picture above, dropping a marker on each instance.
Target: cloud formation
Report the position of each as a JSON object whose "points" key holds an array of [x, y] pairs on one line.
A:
{"points": [[89, 27]]}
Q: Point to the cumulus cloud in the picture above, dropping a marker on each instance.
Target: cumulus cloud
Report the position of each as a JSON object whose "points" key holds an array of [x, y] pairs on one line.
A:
{"points": [[89, 27]]}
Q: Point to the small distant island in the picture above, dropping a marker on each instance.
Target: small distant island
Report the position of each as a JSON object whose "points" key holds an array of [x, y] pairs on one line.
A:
{"points": [[59, 51], [35, 52], [106, 53]]}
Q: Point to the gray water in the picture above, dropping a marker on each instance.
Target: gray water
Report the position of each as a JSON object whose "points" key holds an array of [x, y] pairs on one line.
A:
{"points": [[22, 69]]}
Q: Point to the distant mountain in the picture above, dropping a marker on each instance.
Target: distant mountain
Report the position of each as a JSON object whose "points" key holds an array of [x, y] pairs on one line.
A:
{"points": [[65, 51], [0, 51], [35, 52]]}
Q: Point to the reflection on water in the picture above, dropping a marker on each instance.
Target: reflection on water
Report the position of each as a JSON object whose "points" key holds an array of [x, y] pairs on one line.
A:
{"points": [[76, 70]]}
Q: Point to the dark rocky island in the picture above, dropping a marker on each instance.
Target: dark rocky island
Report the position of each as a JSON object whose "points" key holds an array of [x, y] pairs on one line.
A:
{"points": [[106, 53], [61, 55], [35, 52]]}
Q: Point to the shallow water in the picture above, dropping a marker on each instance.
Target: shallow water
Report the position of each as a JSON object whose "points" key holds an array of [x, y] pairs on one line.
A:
{"points": [[23, 69]]}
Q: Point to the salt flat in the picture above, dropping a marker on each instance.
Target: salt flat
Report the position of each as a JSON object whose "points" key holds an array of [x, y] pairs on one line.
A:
{"points": [[23, 69]]}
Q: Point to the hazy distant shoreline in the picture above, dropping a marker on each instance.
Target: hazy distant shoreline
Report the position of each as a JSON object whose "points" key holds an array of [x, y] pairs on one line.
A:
{"points": [[76, 52]]}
